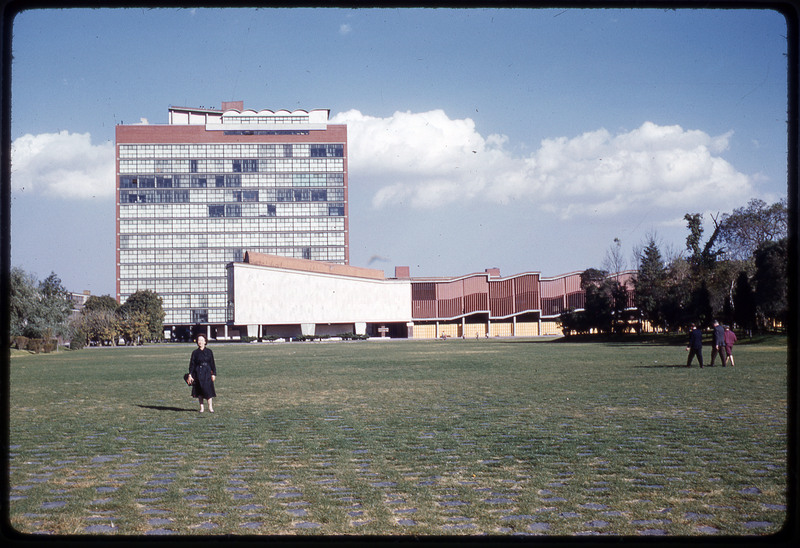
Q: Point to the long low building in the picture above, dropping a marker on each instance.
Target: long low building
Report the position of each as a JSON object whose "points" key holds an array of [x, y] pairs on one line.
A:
{"points": [[270, 295]]}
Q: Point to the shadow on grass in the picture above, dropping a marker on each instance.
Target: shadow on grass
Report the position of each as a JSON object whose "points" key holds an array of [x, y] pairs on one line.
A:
{"points": [[541, 340], [166, 408], [649, 339], [666, 339], [683, 366]]}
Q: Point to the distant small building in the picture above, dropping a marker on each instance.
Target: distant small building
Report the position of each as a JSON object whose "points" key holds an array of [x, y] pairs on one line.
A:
{"points": [[78, 301], [285, 297]]}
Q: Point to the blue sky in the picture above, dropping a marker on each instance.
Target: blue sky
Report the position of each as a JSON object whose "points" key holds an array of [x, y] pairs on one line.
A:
{"points": [[519, 139]]}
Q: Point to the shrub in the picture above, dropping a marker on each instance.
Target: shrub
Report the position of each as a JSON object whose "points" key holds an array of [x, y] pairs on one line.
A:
{"points": [[353, 337], [35, 345], [20, 342], [78, 340], [51, 345]]}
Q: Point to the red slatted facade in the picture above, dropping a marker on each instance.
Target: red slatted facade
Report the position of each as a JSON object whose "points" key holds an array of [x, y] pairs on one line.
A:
{"points": [[502, 297], [423, 300], [450, 299], [526, 293], [476, 294]]}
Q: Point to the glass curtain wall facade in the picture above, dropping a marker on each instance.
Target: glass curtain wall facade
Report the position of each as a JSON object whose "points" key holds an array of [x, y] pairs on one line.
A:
{"points": [[193, 197]]}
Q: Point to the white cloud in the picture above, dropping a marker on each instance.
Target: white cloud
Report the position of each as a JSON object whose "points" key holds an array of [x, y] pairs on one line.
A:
{"points": [[63, 165], [345, 29], [425, 158], [428, 160]]}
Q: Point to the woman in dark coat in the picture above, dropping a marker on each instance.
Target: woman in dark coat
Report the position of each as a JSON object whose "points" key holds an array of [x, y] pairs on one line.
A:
{"points": [[203, 373]]}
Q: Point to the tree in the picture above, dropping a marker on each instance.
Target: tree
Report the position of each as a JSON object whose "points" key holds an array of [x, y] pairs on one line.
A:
{"points": [[97, 322], [572, 322], [619, 302], [694, 222], [134, 326], [771, 282], [674, 306], [699, 309], [55, 306], [707, 265], [99, 325], [78, 337], [650, 284], [598, 309], [37, 309], [592, 276], [721, 286], [150, 305], [614, 261], [598, 303], [747, 228], [105, 302], [23, 300], [744, 303], [727, 316], [701, 259]]}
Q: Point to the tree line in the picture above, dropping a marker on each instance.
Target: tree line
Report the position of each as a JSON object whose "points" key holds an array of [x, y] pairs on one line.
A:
{"points": [[738, 275], [103, 321], [42, 312]]}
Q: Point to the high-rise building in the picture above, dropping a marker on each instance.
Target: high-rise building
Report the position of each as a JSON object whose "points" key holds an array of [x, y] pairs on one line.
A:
{"points": [[195, 194]]}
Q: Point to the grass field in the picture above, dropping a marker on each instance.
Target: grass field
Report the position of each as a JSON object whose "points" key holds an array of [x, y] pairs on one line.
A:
{"points": [[452, 437]]}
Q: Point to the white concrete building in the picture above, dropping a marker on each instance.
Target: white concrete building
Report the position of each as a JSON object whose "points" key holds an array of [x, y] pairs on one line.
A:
{"points": [[287, 297]]}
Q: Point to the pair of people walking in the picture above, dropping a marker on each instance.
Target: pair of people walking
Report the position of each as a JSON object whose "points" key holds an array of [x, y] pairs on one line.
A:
{"points": [[722, 342]]}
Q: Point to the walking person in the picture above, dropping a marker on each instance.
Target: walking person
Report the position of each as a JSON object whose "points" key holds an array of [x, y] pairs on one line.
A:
{"points": [[730, 340], [203, 373], [695, 347], [718, 344]]}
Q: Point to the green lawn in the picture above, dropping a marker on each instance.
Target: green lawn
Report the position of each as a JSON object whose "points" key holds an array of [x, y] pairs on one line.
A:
{"points": [[495, 436]]}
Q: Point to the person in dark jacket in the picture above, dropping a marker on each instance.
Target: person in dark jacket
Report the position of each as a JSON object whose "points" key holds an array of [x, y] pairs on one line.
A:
{"points": [[695, 347], [718, 344], [203, 373]]}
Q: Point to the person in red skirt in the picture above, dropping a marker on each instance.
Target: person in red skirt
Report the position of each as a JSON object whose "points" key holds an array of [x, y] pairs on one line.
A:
{"points": [[730, 340]]}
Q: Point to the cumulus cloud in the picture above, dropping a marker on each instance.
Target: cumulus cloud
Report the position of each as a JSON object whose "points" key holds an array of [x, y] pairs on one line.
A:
{"points": [[63, 165], [428, 160]]}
